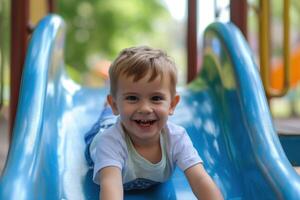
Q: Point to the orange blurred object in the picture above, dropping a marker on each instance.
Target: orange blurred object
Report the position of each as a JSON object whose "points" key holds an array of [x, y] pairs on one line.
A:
{"points": [[97, 76], [101, 68], [277, 77]]}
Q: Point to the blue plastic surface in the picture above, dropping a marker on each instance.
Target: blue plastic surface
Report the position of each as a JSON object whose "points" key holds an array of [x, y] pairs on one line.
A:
{"points": [[224, 110], [291, 146]]}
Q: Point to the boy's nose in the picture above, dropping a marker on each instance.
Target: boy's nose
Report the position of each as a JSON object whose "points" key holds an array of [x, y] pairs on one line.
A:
{"points": [[145, 108]]}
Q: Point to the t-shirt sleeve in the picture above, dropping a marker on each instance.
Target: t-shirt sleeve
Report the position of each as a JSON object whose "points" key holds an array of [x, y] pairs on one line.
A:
{"points": [[185, 155], [107, 150]]}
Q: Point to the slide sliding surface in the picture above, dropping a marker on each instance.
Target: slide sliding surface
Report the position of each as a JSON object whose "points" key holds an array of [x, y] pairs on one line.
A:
{"points": [[224, 111]]}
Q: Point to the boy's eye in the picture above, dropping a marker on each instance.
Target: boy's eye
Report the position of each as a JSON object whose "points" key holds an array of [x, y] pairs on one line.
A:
{"points": [[131, 98], [157, 98]]}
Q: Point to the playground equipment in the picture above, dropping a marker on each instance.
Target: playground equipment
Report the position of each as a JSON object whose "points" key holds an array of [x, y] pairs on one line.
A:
{"points": [[224, 110]]}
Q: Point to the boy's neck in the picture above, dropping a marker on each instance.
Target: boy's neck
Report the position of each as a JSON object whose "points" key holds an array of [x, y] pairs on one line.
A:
{"points": [[150, 149], [139, 143], [151, 152]]}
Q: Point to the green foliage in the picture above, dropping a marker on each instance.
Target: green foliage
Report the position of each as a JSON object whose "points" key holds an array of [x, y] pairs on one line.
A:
{"points": [[72, 72], [5, 31], [104, 27], [4, 50]]}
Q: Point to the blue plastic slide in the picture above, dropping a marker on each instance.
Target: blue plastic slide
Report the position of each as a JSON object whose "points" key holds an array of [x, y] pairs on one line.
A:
{"points": [[224, 110]]}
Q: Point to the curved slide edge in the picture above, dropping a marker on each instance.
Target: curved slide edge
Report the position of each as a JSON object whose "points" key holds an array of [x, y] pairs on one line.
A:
{"points": [[44, 57], [267, 153], [265, 143]]}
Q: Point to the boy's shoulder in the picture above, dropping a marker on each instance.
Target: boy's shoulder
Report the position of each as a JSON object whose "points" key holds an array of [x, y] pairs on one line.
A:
{"points": [[114, 132], [175, 129]]}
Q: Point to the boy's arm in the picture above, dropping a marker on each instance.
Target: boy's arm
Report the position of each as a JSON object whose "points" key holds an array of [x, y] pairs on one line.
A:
{"points": [[111, 187], [202, 184]]}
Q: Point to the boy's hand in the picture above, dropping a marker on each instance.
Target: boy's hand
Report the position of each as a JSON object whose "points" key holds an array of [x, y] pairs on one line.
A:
{"points": [[202, 184], [111, 187]]}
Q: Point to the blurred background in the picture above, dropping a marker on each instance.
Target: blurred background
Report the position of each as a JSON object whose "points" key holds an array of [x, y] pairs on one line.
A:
{"points": [[98, 29]]}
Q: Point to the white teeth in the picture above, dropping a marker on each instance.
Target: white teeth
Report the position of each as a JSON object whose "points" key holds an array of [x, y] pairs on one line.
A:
{"points": [[145, 121]]}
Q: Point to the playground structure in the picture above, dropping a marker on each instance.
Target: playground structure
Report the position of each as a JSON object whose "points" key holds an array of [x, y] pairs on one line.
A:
{"points": [[46, 159], [245, 159], [277, 79]]}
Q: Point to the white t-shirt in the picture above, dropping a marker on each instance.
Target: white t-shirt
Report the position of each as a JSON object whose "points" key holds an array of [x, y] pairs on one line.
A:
{"points": [[113, 148]]}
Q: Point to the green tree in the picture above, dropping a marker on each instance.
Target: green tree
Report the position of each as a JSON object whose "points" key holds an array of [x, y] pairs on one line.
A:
{"points": [[105, 26]]}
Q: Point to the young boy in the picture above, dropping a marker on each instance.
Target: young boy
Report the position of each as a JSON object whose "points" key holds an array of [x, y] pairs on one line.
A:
{"points": [[142, 148]]}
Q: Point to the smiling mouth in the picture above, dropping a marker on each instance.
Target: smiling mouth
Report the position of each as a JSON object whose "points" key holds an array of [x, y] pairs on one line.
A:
{"points": [[145, 123]]}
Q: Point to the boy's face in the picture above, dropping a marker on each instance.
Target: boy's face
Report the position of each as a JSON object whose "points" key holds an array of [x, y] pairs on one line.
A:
{"points": [[143, 106]]}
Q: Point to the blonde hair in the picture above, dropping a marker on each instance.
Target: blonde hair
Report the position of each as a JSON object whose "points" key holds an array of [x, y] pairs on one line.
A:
{"points": [[137, 62]]}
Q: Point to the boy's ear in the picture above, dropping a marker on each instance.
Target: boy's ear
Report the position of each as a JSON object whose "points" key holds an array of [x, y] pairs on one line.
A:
{"points": [[112, 104], [173, 104]]}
